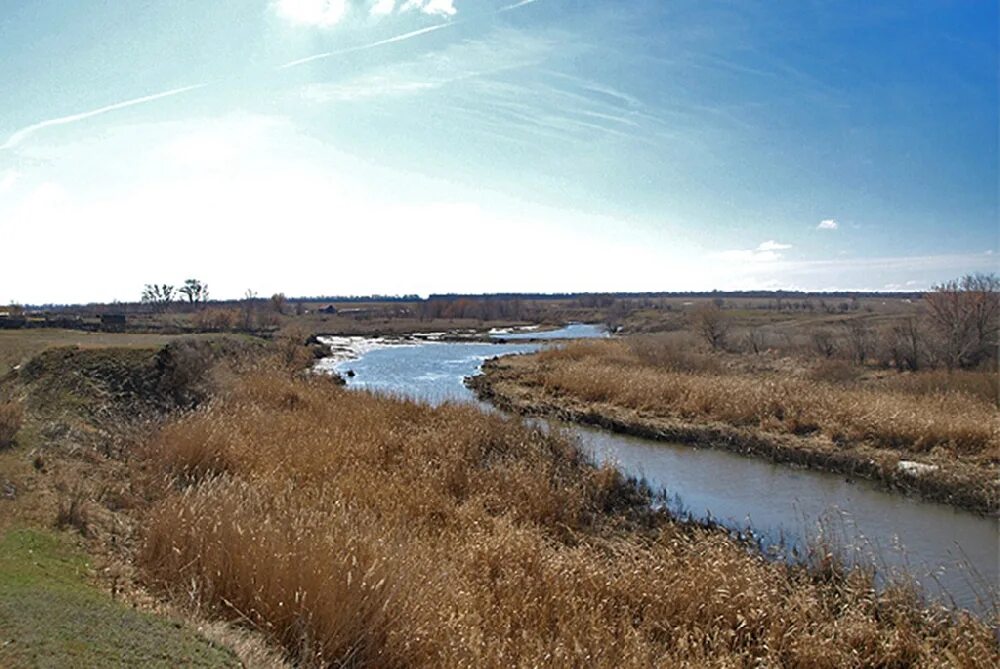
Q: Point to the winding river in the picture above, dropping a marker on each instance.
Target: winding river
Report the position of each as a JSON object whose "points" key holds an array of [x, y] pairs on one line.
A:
{"points": [[953, 554]]}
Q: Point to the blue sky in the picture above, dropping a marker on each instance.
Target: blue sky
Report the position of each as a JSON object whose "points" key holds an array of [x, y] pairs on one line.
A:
{"points": [[359, 146]]}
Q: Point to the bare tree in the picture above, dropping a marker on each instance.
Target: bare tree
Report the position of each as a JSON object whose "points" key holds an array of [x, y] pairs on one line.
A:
{"points": [[824, 343], [159, 296], [754, 340], [712, 325], [965, 313], [248, 310], [906, 345], [860, 339], [195, 291]]}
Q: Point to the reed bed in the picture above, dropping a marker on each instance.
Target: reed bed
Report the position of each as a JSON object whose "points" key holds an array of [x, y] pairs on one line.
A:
{"points": [[358, 530], [911, 418]]}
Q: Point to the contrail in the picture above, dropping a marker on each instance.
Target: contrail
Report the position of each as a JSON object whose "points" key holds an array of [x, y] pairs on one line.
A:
{"points": [[397, 38], [26, 132], [522, 3]]}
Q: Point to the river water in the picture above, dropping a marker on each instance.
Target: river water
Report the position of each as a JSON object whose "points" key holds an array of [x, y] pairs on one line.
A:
{"points": [[954, 555]]}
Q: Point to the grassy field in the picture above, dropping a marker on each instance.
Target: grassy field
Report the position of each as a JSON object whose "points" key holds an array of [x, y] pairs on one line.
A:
{"points": [[365, 531], [851, 424], [52, 615]]}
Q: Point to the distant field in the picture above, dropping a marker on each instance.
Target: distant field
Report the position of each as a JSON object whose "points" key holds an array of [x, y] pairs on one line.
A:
{"points": [[18, 346]]}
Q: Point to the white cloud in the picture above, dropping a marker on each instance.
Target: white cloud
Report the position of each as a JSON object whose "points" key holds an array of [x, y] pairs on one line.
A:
{"points": [[772, 245], [319, 13], [383, 7], [469, 61], [434, 7], [828, 224], [766, 252], [7, 180], [443, 7]]}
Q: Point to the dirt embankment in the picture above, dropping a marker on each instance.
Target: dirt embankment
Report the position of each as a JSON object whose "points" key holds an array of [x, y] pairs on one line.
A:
{"points": [[511, 383]]}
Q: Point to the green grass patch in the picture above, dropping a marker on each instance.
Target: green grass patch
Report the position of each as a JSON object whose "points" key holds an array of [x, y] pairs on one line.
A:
{"points": [[50, 615]]}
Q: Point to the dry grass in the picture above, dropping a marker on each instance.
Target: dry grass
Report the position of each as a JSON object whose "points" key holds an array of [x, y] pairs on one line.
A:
{"points": [[364, 531], [609, 372], [11, 418], [981, 385]]}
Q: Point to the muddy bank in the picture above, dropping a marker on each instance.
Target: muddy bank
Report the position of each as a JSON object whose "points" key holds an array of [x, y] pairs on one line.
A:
{"points": [[509, 384]]}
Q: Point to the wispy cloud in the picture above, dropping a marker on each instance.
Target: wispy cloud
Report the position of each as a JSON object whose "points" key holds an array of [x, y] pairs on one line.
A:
{"points": [[318, 13], [502, 51], [766, 252], [27, 131], [7, 180], [434, 7], [828, 224]]}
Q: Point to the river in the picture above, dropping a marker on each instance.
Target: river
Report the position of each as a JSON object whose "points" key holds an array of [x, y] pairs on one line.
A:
{"points": [[953, 554]]}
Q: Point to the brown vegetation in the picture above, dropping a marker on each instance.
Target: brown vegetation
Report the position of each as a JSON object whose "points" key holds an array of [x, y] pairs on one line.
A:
{"points": [[365, 531], [11, 417], [821, 414], [608, 372]]}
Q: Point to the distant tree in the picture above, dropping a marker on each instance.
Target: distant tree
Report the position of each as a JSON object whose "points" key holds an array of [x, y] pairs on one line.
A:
{"points": [[906, 344], [159, 296], [195, 291], [860, 339], [754, 340], [278, 303], [248, 309], [965, 313], [824, 343], [711, 324]]}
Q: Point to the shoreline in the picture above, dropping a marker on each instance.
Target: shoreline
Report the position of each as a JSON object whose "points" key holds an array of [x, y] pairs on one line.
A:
{"points": [[964, 487]]}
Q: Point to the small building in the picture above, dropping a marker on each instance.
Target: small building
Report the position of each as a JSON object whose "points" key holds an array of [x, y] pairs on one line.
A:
{"points": [[9, 321], [328, 309]]}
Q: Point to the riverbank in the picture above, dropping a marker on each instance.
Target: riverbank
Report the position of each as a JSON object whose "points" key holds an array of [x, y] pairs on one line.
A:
{"points": [[402, 534], [526, 385], [72, 502], [346, 528]]}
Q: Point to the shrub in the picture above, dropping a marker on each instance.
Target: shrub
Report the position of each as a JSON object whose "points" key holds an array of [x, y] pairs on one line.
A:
{"points": [[835, 371], [11, 417], [671, 353]]}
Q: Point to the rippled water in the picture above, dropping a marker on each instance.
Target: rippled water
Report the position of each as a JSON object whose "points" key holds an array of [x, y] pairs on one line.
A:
{"points": [[953, 553]]}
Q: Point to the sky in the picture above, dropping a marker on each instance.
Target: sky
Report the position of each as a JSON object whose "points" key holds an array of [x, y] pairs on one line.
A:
{"points": [[321, 147]]}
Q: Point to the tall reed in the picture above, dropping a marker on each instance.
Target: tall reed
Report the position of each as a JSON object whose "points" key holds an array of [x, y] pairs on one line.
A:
{"points": [[363, 531]]}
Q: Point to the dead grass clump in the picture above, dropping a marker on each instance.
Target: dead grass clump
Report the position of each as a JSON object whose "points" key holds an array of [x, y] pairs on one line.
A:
{"points": [[918, 423], [73, 512], [673, 354], [11, 418], [357, 530], [835, 371], [979, 385]]}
